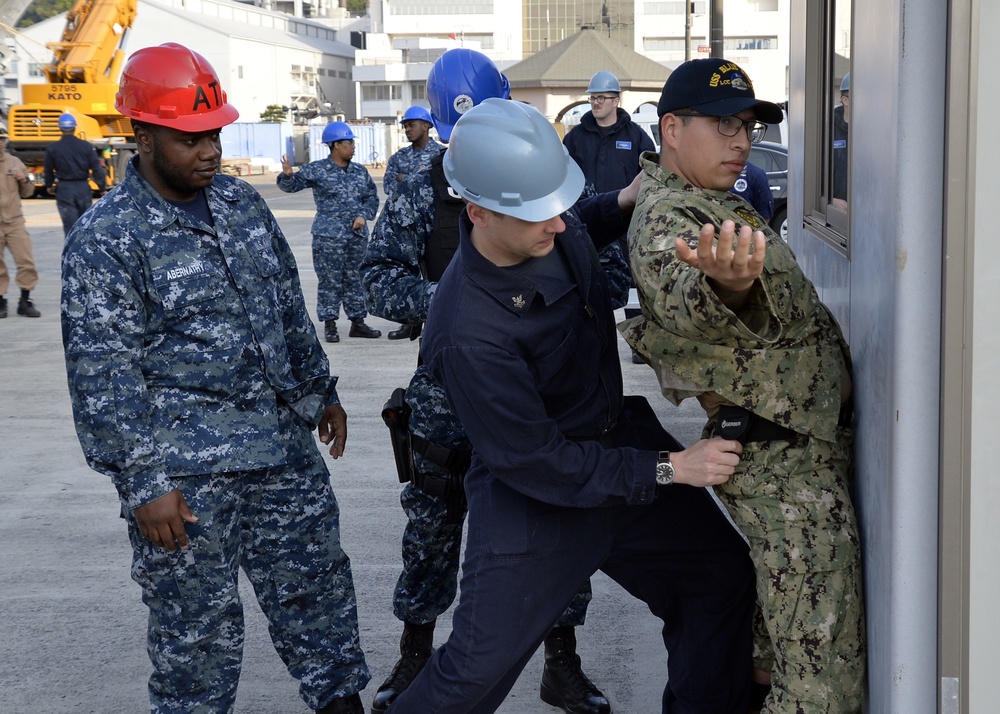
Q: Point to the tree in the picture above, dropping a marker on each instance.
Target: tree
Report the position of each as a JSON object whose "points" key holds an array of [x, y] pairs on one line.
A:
{"points": [[357, 7], [42, 10], [274, 112]]}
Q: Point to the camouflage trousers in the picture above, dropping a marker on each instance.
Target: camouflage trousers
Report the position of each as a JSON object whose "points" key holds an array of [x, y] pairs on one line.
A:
{"points": [[336, 260], [431, 547], [791, 500], [282, 527]]}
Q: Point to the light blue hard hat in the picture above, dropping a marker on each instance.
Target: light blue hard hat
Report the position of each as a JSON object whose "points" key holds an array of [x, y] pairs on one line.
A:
{"points": [[845, 84], [604, 81], [507, 157], [67, 121]]}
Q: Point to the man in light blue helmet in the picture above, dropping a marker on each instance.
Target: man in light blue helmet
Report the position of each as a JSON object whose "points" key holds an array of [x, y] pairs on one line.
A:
{"points": [[607, 144], [413, 241], [407, 161], [72, 162], [346, 199], [568, 476]]}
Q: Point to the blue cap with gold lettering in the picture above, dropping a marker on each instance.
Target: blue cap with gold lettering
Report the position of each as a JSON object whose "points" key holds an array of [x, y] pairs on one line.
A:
{"points": [[715, 87]]}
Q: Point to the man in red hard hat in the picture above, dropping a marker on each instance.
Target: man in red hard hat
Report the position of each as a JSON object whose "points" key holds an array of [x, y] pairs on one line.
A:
{"points": [[196, 377]]}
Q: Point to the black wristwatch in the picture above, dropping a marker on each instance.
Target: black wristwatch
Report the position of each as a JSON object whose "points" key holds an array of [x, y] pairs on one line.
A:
{"points": [[664, 469]]}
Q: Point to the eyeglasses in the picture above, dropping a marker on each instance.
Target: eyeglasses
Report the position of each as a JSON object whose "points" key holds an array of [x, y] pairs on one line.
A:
{"points": [[731, 125], [599, 99]]}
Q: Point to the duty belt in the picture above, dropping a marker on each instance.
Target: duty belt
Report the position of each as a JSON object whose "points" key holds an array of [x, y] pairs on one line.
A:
{"points": [[452, 459], [744, 426]]}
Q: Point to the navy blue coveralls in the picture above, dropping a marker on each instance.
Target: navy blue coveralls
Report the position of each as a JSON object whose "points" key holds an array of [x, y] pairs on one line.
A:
{"points": [[609, 159], [72, 160], [562, 484], [608, 156]]}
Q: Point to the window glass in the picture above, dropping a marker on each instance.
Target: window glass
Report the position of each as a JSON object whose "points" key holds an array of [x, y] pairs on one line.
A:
{"points": [[837, 156], [762, 158], [828, 165]]}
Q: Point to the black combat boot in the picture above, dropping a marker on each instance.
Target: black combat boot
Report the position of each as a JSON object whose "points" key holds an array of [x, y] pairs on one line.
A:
{"points": [[25, 307], [360, 329], [350, 705], [415, 647], [3, 306], [330, 331], [564, 684], [403, 333]]}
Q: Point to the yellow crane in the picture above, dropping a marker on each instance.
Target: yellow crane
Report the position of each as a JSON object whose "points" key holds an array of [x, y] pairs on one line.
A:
{"points": [[81, 80]]}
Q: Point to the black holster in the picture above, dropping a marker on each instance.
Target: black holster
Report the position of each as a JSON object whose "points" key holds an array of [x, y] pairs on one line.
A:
{"points": [[396, 415], [742, 425], [450, 487]]}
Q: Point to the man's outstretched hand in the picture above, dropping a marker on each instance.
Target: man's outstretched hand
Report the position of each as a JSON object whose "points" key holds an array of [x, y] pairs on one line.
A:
{"points": [[730, 264]]}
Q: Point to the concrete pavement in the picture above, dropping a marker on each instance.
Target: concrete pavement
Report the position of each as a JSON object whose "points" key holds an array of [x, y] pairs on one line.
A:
{"points": [[72, 625]]}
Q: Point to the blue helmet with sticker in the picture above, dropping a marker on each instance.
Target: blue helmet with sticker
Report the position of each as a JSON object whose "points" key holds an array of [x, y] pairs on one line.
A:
{"points": [[67, 121], [459, 80], [416, 112], [336, 131]]}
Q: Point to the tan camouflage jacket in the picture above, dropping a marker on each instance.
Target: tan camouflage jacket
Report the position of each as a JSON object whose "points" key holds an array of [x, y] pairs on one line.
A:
{"points": [[782, 356]]}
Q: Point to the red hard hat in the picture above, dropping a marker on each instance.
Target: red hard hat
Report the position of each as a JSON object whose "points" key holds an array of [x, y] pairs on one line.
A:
{"points": [[173, 86]]}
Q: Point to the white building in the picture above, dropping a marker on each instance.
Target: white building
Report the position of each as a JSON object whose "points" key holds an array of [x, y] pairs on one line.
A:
{"points": [[263, 57], [756, 37], [269, 57], [408, 35]]}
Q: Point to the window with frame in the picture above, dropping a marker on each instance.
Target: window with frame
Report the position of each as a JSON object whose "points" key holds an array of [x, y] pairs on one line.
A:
{"points": [[381, 92], [750, 43], [827, 180], [671, 44], [674, 7]]}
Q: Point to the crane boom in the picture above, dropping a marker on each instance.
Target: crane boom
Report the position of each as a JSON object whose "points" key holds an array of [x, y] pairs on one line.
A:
{"points": [[90, 49], [81, 80]]}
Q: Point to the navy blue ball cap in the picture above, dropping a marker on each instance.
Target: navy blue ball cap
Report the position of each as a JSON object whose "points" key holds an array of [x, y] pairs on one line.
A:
{"points": [[715, 87]]}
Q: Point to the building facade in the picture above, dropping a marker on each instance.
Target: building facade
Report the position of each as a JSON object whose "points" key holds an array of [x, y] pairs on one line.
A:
{"points": [[406, 36]]}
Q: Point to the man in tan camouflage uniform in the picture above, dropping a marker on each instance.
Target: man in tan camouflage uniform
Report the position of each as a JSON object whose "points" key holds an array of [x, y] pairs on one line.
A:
{"points": [[731, 319]]}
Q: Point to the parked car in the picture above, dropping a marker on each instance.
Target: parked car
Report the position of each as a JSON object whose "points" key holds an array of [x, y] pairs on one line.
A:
{"points": [[773, 158]]}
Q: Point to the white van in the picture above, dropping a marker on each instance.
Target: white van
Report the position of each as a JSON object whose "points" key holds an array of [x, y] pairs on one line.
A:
{"points": [[647, 120]]}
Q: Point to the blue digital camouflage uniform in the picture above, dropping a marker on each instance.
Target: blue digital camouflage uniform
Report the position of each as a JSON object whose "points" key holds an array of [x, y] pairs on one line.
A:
{"points": [[193, 365], [783, 358], [408, 161], [341, 195], [396, 290]]}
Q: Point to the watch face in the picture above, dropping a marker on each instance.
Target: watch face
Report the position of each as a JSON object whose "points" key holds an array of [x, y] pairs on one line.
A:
{"points": [[664, 473]]}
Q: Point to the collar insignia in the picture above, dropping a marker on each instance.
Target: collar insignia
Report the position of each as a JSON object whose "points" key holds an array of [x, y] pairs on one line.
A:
{"points": [[748, 216], [518, 301]]}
